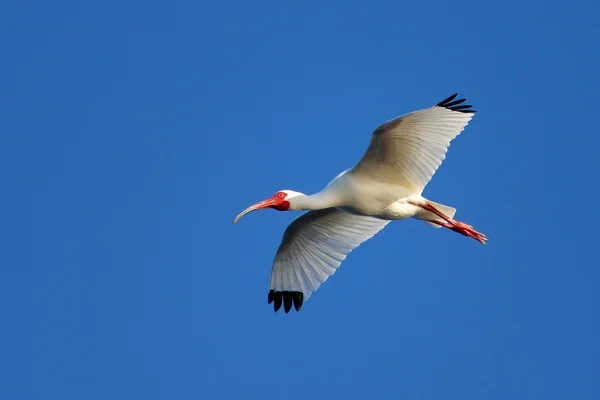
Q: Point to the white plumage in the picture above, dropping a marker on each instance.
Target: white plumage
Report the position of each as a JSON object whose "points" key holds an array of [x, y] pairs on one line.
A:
{"points": [[407, 150], [386, 184], [314, 246]]}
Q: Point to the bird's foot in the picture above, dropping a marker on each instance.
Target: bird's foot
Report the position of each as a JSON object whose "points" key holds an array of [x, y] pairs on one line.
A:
{"points": [[466, 230]]}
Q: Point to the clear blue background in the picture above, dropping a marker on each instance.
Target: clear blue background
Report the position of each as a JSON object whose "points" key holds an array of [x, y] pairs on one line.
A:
{"points": [[132, 132]]}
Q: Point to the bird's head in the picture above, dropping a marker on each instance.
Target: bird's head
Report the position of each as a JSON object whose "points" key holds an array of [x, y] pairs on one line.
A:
{"points": [[280, 201]]}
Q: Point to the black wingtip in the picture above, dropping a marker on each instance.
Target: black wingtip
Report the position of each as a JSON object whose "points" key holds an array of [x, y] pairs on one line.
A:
{"points": [[287, 298], [455, 105], [298, 298], [448, 100], [278, 299], [287, 301]]}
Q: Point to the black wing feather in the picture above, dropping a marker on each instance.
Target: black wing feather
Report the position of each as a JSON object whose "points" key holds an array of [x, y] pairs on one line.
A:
{"points": [[454, 105], [287, 298]]}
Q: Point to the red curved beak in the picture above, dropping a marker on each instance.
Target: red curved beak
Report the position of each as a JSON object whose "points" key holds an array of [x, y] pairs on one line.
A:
{"points": [[261, 204]]}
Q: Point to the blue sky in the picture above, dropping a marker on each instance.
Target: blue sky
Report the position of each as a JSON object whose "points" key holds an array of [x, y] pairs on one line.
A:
{"points": [[133, 132]]}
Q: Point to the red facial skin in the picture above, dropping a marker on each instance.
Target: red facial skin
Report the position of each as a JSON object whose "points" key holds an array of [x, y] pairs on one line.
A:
{"points": [[277, 201], [280, 204]]}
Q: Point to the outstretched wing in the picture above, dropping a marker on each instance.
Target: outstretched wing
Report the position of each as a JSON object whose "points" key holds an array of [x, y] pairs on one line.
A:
{"points": [[312, 248], [409, 149]]}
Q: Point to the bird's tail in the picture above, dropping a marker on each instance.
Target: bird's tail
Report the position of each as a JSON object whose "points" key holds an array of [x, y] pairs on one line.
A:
{"points": [[428, 215]]}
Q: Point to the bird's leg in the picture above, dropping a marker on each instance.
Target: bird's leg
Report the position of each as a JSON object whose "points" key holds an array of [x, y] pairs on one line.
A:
{"points": [[463, 229], [454, 225], [430, 208]]}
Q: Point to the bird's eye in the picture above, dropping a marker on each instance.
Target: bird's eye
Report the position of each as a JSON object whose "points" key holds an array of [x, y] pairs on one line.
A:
{"points": [[280, 195]]}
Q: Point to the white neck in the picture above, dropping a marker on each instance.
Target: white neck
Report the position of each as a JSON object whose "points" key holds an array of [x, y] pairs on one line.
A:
{"points": [[317, 201]]}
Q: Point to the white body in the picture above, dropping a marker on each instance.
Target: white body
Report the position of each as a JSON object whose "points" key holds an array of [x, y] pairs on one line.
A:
{"points": [[382, 200], [386, 184]]}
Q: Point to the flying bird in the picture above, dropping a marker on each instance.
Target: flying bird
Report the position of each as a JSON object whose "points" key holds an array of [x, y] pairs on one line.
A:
{"points": [[385, 185]]}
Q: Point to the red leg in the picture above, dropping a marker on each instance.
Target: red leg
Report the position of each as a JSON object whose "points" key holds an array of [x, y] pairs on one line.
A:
{"points": [[463, 229], [454, 225], [437, 212]]}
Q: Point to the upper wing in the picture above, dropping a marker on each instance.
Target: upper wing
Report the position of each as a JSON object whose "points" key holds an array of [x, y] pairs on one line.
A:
{"points": [[312, 248], [409, 149]]}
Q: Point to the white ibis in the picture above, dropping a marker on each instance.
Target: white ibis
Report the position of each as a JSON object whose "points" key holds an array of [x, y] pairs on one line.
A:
{"points": [[385, 185]]}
